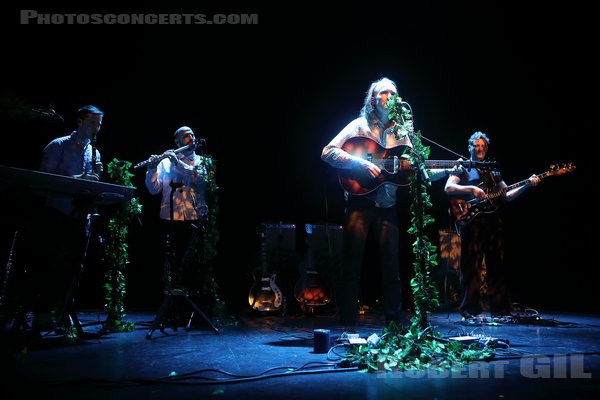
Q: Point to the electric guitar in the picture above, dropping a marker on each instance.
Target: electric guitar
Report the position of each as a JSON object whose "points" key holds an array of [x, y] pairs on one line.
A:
{"points": [[395, 167], [264, 295], [309, 291], [464, 211]]}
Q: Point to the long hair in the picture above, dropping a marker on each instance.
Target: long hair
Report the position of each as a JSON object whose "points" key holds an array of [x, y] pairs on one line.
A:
{"points": [[369, 103]]}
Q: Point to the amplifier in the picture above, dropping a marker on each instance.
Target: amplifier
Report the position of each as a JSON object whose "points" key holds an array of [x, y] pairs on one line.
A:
{"points": [[327, 240], [279, 236]]}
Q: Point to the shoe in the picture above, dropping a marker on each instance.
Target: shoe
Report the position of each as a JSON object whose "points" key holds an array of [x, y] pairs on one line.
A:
{"points": [[467, 314], [501, 314]]}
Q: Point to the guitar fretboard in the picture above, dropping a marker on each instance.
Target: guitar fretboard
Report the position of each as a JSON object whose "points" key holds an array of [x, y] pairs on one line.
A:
{"points": [[500, 192], [263, 255], [437, 164]]}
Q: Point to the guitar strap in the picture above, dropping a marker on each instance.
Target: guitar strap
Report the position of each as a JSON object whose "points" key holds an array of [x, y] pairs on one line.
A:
{"points": [[487, 179]]}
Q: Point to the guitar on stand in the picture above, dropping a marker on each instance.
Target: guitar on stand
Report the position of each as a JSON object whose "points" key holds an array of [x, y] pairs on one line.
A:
{"points": [[462, 212], [309, 291], [265, 295], [395, 167]]}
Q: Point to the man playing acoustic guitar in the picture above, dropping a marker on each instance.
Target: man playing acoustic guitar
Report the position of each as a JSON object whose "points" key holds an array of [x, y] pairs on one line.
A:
{"points": [[370, 211], [481, 230]]}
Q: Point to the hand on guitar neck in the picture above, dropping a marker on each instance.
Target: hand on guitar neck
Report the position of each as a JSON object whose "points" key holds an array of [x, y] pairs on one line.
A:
{"points": [[463, 211]]}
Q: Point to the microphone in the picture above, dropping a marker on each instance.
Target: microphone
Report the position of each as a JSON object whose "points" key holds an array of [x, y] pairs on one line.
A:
{"points": [[201, 146]]}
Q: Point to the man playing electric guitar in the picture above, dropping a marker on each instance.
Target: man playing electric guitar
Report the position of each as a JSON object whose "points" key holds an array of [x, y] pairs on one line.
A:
{"points": [[482, 238]]}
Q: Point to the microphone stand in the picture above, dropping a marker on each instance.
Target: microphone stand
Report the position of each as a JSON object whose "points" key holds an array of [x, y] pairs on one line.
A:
{"points": [[169, 291]]}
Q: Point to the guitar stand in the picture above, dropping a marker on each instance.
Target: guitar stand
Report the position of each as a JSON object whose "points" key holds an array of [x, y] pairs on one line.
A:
{"points": [[169, 293]]}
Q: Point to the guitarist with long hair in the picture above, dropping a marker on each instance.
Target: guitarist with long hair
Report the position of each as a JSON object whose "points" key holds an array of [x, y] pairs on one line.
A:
{"points": [[481, 230], [369, 214]]}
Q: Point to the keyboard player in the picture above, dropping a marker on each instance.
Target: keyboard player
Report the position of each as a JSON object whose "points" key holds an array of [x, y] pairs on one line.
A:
{"points": [[60, 239]]}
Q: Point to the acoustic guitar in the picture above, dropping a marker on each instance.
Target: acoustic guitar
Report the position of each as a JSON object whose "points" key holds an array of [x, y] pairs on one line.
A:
{"points": [[394, 165]]}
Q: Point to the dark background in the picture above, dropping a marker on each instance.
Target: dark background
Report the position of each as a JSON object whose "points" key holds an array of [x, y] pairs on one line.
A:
{"points": [[268, 97]]}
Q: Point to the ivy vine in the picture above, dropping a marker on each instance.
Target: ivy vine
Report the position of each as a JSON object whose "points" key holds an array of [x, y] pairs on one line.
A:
{"points": [[422, 284], [419, 346], [208, 254], [116, 255], [115, 251]]}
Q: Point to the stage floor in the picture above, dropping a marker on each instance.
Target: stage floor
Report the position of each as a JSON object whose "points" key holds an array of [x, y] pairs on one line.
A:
{"points": [[556, 355]]}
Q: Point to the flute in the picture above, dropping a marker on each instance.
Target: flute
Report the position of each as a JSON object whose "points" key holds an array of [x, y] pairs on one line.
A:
{"points": [[191, 146]]}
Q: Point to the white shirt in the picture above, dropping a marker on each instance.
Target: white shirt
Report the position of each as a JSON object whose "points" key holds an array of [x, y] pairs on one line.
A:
{"points": [[188, 201]]}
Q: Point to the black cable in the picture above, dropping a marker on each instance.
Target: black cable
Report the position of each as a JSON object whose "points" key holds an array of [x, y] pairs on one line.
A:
{"points": [[265, 372], [175, 380]]}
